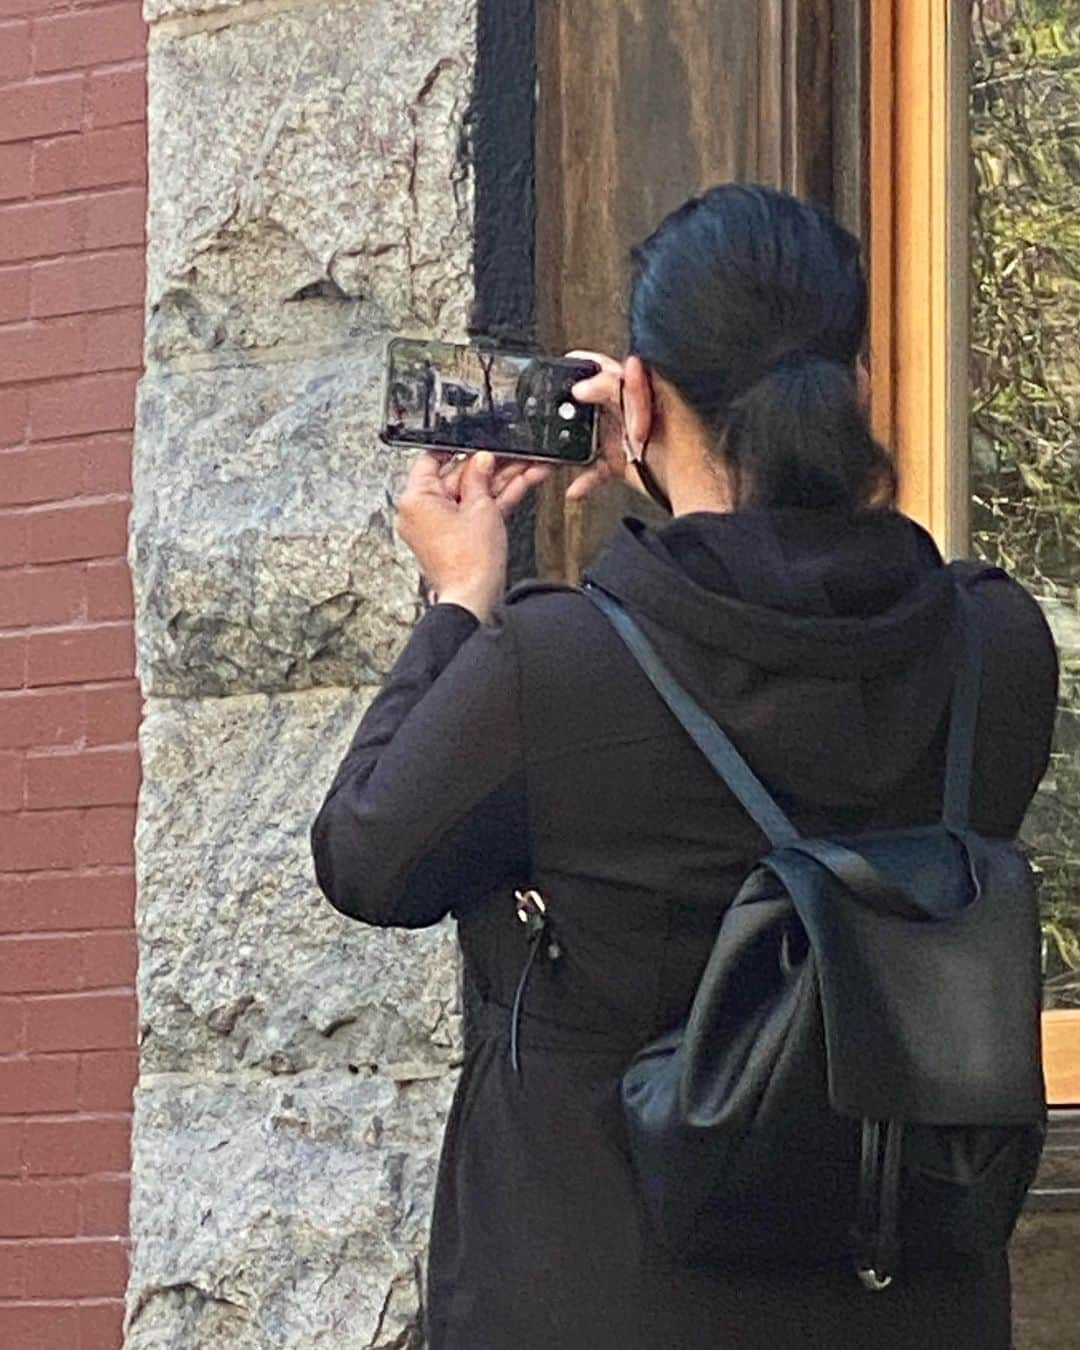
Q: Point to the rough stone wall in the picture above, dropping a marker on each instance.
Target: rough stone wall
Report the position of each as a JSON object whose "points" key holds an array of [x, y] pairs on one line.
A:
{"points": [[310, 195]]}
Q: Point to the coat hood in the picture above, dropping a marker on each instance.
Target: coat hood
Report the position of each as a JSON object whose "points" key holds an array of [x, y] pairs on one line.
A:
{"points": [[823, 643]]}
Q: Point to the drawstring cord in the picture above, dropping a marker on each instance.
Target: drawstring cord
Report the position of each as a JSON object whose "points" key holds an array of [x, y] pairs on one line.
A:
{"points": [[532, 911], [877, 1227]]}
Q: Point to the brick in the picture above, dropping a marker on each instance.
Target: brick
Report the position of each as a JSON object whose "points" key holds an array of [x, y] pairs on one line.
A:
{"points": [[12, 538], [49, 595], [80, 1022], [39, 229], [41, 473], [13, 653], [12, 786], [108, 590], [103, 158], [14, 290], [75, 901], [12, 1270], [12, 1027], [38, 1209], [36, 841], [15, 171], [14, 416], [109, 961], [12, 1141], [109, 836], [12, 7], [106, 464], [12, 903], [77, 1147], [102, 651], [89, 38], [38, 1084], [117, 96], [79, 406], [42, 717], [99, 777], [113, 714], [104, 1205], [80, 1268], [114, 341], [39, 965], [77, 531], [48, 471], [108, 1078], [14, 51], [40, 108], [36, 351], [44, 1326], [114, 218], [101, 1325], [87, 281]]}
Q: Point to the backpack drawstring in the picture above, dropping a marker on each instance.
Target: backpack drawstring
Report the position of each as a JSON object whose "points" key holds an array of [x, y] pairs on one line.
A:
{"points": [[879, 1201]]}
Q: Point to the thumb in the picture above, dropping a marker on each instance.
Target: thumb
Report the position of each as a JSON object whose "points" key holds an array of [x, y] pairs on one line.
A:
{"points": [[476, 480]]}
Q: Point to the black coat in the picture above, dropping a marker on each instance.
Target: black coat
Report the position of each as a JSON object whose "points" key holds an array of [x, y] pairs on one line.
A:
{"points": [[532, 752]]}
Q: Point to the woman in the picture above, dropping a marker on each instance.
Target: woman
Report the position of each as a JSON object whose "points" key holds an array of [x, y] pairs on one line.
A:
{"points": [[519, 748]]}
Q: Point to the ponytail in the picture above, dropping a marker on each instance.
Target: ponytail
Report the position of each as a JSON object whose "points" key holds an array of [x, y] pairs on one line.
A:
{"points": [[799, 437], [754, 306]]}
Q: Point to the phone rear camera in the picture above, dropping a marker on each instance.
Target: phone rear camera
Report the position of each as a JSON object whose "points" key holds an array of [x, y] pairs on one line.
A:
{"points": [[567, 412]]}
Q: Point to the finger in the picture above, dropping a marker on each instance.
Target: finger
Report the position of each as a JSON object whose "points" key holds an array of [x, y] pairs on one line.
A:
{"points": [[505, 474], [608, 364], [476, 478], [449, 459], [603, 388], [424, 473], [515, 493], [588, 482]]}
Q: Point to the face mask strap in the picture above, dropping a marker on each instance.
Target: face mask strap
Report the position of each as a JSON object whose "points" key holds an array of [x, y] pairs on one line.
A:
{"points": [[648, 478]]}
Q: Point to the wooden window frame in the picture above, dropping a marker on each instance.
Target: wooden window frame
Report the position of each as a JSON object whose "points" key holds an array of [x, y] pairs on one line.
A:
{"points": [[920, 308]]}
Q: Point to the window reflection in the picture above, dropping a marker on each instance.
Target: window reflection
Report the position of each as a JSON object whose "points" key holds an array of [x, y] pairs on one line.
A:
{"points": [[1025, 446]]}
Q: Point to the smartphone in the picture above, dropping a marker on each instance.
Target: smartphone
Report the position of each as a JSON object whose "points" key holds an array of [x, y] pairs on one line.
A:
{"points": [[446, 396]]}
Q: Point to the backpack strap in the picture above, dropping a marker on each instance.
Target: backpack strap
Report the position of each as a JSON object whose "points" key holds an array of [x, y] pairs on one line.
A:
{"points": [[710, 739], [960, 754]]}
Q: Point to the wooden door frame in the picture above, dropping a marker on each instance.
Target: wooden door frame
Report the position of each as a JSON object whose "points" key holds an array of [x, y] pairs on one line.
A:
{"points": [[920, 308]]}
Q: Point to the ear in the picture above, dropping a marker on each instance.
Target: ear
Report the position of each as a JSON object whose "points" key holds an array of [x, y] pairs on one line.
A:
{"points": [[638, 402]]}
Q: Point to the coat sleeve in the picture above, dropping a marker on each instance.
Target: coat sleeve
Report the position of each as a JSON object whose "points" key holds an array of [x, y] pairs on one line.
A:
{"points": [[427, 812]]}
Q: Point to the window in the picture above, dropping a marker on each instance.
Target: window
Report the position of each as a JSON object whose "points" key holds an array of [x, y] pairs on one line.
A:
{"points": [[975, 261], [1025, 406]]}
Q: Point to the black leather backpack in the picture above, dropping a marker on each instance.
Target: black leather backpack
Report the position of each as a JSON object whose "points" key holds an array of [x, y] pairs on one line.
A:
{"points": [[860, 1075]]}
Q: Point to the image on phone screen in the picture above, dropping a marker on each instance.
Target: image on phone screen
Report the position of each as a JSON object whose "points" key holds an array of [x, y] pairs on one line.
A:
{"points": [[456, 397]]}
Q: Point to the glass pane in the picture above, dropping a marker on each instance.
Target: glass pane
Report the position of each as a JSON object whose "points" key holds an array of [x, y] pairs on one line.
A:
{"points": [[1025, 454]]}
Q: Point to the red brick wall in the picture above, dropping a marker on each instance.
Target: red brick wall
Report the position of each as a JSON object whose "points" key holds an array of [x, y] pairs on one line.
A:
{"points": [[72, 206]]}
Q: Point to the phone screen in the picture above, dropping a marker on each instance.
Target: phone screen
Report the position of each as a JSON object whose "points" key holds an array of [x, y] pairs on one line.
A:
{"points": [[468, 398]]}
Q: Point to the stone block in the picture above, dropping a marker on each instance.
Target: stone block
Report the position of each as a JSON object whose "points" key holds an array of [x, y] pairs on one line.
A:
{"points": [[262, 543], [243, 964], [309, 175], [281, 1214]]}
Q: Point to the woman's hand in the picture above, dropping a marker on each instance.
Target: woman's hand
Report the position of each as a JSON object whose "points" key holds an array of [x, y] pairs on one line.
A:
{"points": [[455, 523], [605, 391]]}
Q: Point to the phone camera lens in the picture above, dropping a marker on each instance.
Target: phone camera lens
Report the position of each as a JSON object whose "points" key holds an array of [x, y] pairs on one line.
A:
{"points": [[567, 412]]}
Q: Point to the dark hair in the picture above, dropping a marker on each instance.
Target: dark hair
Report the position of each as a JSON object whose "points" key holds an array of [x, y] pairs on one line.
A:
{"points": [[754, 306]]}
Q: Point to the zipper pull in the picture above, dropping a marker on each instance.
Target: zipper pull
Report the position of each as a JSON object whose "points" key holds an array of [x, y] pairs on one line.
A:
{"points": [[532, 911]]}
